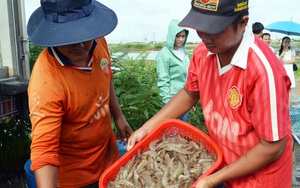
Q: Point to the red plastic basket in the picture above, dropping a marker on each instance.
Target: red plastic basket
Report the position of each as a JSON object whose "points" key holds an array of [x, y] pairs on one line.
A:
{"points": [[170, 127]]}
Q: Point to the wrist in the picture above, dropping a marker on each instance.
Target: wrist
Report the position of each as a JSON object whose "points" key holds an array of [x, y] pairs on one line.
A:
{"points": [[212, 184], [218, 177]]}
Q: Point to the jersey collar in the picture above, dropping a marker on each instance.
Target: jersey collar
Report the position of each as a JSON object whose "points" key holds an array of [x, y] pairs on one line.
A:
{"points": [[63, 61], [241, 55]]}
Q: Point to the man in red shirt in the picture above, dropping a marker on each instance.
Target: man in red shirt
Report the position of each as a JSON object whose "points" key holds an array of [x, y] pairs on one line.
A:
{"points": [[243, 91]]}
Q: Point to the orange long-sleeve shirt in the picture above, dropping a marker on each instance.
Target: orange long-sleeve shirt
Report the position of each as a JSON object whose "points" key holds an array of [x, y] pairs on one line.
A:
{"points": [[70, 116]]}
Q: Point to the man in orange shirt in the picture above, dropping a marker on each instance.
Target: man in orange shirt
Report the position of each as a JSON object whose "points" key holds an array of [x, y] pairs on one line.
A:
{"points": [[71, 94]]}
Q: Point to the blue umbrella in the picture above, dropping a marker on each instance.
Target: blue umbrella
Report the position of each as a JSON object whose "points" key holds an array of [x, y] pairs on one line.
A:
{"points": [[285, 27]]}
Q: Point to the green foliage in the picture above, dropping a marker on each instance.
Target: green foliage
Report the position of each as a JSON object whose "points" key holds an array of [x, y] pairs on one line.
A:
{"points": [[34, 53], [14, 147], [141, 46], [136, 89], [297, 73], [135, 85], [158, 45], [131, 47], [196, 117]]}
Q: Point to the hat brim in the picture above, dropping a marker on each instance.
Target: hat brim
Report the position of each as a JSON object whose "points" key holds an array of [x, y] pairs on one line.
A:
{"points": [[99, 23], [207, 23]]}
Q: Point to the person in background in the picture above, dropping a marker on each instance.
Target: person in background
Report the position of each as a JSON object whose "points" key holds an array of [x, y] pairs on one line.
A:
{"points": [[266, 37], [71, 94], [257, 29], [243, 89], [172, 63], [287, 57]]}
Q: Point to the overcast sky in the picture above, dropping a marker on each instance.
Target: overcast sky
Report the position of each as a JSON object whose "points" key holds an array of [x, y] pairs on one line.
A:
{"points": [[147, 20]]}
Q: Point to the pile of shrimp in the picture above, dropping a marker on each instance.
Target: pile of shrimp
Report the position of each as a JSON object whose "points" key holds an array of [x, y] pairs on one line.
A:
{"points": [[170, 162]]}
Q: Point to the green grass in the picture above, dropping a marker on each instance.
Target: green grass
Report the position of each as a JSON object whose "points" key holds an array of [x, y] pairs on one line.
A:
{"points": [[140, 46]]}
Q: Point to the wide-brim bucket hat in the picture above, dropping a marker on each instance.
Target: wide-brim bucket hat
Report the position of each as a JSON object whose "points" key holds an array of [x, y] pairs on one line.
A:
{"points": [[63, 22]]}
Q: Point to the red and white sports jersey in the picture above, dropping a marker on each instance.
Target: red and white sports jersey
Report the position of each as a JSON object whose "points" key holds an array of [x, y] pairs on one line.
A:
{"points": [[244, 101]]}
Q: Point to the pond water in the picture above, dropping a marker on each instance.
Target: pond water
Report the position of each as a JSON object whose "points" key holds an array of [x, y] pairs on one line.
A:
{"points": [[151, 55]]}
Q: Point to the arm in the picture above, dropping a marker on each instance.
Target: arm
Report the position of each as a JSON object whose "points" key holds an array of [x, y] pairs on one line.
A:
{"points": [[280, 56], [46, 177], [121, 124], [46, 116], [258, 157], [291, 61], [172, 110]]}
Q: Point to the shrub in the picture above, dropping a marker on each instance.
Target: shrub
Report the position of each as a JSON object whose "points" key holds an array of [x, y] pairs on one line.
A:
{"points": [[14, 147], [135, 85], [34, 53], [196, 117], [158, 45]]}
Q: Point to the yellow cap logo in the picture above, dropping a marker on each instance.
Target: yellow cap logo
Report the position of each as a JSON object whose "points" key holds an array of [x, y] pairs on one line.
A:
{"points": [[234, 97]]}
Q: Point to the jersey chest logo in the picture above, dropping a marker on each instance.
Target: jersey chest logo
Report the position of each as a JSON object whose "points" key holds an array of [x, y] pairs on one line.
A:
{"points": [[234, 97], [104, 66]]}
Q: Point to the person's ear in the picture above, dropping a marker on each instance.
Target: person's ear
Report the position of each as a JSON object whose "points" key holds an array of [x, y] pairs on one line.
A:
{"points": [[243, 23]]}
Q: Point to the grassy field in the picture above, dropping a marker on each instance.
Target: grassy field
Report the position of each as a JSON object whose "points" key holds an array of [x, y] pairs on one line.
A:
{"points": [[156, 46], [140, 46]]}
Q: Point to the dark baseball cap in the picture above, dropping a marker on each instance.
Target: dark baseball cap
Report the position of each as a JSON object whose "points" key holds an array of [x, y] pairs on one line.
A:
{"points": [[213, 16]]}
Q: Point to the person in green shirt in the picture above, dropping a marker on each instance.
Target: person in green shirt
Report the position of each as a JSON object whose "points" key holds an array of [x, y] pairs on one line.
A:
{"points": [[172, 63]]}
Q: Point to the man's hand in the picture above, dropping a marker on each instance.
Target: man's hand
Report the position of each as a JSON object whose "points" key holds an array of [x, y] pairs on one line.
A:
{"points": [[137, 136], [124, 130]]}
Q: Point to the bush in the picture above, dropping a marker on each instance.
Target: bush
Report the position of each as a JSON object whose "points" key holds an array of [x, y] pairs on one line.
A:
{"points": [[135, 83], [14, 147], [34, 53], [158, 45], [196, 118]]}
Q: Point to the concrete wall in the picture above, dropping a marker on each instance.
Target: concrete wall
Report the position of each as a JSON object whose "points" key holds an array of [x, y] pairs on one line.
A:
{"points": [[5, 42]]}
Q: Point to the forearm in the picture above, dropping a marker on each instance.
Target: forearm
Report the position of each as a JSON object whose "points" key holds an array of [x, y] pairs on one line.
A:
{"points": [[291, 61], [46, 177], [258, 157], [288, 62]]}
